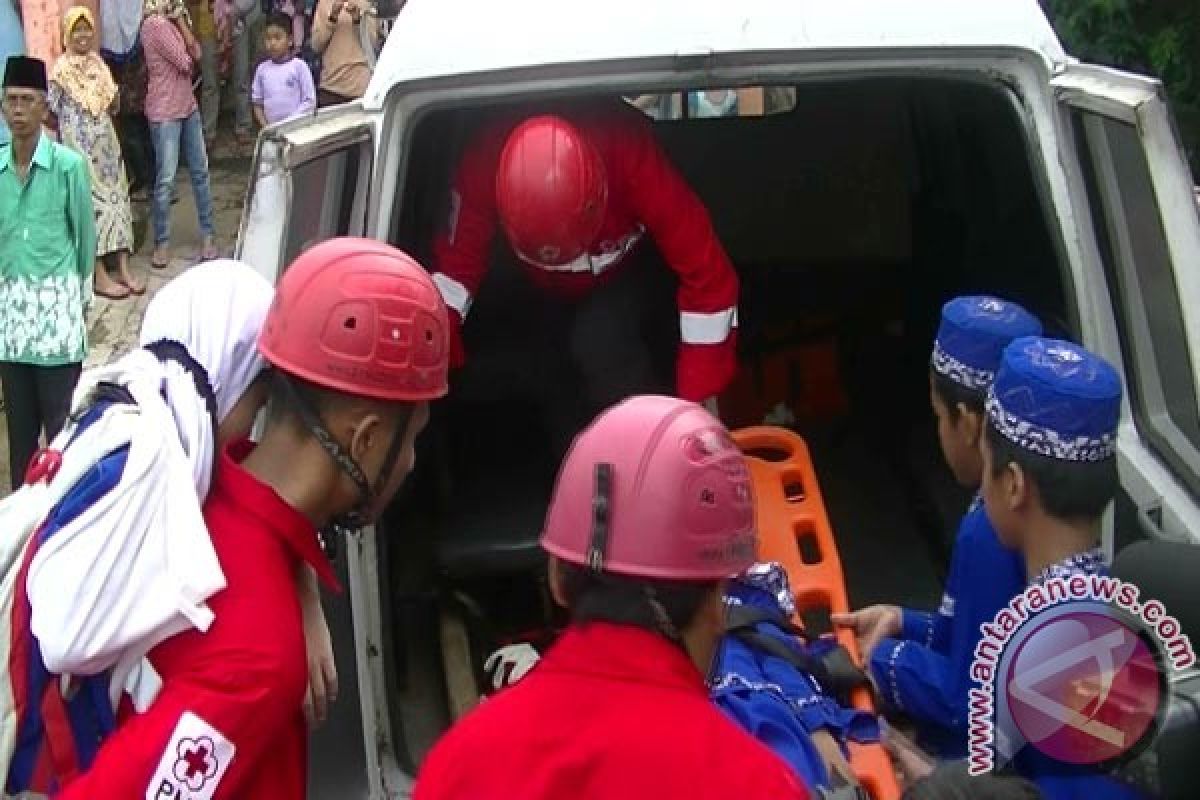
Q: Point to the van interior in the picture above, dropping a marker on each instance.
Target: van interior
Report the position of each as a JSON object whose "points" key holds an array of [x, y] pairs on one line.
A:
{"points": [[852, 210]]}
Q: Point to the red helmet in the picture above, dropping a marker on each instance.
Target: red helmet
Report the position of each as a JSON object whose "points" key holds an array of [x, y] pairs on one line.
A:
{"points": [[361, 317], [550, 191], [654, 488]]}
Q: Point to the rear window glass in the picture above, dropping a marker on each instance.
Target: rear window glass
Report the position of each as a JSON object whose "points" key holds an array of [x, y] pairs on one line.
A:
{"points": [[1137, 261], [710, 103]]}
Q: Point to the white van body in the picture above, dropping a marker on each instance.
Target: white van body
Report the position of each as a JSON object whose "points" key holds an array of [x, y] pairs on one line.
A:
{"points": [[343, 172]]}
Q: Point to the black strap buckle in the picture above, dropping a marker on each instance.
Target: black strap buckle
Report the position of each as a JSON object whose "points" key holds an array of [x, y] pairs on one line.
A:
{"points": [[601, 517]]}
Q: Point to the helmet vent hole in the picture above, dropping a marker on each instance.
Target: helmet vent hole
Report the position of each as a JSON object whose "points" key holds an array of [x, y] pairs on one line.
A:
{"points": [[350, 323], [428, 337]]}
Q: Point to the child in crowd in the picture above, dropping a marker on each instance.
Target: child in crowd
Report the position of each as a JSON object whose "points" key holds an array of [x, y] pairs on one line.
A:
{"points": [[283, 85], [920, 661], [1049, 472]]}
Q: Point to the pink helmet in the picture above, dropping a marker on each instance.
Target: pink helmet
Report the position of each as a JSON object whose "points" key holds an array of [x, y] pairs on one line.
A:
{"points": [[654, 488]]}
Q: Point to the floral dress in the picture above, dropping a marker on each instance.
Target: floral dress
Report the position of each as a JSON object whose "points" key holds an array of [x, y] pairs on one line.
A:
{"points": [[95, 137]]}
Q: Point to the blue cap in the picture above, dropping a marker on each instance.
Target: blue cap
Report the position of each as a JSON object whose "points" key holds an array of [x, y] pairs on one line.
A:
{"points": [[972, 336], [1056, 399]]}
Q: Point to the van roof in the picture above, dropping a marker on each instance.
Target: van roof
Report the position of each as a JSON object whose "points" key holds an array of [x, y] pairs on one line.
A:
{"points": [[442, 38]]}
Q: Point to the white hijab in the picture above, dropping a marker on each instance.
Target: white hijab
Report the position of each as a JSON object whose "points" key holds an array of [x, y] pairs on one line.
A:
{"points": [[215, 310], [137, 566]]}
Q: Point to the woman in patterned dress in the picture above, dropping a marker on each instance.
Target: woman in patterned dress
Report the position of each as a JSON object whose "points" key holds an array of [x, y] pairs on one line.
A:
{"points": [[82, 95]]}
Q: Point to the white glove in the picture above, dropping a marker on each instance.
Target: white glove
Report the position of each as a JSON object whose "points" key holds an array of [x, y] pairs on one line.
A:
{"points": [[509, 664]]}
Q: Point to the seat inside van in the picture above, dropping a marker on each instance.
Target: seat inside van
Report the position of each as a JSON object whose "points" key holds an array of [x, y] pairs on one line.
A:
{"points": [[852, 214]]}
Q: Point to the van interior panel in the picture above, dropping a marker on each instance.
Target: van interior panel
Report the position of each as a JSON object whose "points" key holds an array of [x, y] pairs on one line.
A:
{"points": [[851, 218]]}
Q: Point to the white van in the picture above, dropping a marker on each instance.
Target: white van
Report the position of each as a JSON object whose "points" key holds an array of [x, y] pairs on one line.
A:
{"points": [[882, 157]]}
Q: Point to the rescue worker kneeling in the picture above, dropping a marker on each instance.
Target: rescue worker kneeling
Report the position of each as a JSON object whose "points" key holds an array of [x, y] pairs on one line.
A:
{"points": [[652, 512], [357, 336]]}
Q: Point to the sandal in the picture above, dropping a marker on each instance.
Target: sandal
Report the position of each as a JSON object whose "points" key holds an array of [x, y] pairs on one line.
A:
{"points": [[111, 294], [133, 287]]}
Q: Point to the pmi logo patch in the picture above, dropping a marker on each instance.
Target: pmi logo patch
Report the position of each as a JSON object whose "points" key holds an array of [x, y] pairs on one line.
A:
{"points": [[193, 762]]}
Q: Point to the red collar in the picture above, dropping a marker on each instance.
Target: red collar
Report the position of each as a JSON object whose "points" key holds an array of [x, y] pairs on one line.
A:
{"points": [[624, 653], [254, 498]]}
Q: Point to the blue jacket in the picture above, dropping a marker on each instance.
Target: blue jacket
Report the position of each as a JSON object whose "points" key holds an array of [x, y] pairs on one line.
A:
{"points": [[925, 672], [775, 702], [58, 737], [1056, 780]]}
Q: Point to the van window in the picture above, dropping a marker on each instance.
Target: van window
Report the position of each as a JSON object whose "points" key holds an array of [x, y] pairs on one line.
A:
{"points": [[333, 179], [1137, 262], [709, 103]]}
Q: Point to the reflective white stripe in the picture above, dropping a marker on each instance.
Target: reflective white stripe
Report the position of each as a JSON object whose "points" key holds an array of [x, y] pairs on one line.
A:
{"points": [[711, 328], [454, 293], [610, 253]]}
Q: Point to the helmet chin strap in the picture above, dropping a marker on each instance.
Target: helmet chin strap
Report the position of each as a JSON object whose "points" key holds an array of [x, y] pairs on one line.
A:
{"points": [[359, 516]]}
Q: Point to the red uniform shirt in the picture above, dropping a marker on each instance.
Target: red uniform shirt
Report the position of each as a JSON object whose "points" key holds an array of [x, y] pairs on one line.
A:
{"points": [[611, 712], [229, 721], [646, 194]]}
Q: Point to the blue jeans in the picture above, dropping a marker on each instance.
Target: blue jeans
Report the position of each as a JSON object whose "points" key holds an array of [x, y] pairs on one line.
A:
{"points": [[168, 137]]}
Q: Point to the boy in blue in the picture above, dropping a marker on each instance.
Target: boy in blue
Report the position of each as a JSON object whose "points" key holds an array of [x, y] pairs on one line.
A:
{"points": [[1049, 471], [920, 661]]}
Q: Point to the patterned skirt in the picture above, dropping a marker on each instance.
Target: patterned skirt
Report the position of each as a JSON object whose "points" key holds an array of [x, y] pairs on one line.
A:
{"points": [[95, 137]]}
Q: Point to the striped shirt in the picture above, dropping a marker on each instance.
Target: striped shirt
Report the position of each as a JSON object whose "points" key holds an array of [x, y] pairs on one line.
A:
{"points": [[169, 65]]}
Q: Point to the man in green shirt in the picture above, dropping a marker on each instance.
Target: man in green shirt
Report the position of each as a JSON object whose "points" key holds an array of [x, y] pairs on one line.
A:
{"points": [[47, 253]]}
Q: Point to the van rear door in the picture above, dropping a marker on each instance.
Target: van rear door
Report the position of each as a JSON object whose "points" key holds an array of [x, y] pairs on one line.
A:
{"points": [[310, 182], [1134, 183]]}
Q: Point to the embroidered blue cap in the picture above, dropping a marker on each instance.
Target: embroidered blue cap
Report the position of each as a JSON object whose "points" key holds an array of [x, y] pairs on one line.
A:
{"points": [[972, 336], [1056, 399]]}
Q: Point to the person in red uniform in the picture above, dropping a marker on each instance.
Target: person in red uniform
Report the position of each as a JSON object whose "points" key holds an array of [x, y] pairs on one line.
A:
{"points": [[576, 193], [358, 338], [651, 513]]}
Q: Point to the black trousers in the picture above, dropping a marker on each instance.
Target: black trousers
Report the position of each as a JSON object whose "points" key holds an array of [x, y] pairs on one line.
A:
{"points": [[36, 399], [572, 359]]}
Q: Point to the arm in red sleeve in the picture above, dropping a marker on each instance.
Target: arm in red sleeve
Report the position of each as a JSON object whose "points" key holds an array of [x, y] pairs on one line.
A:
{"points": [[207, 737], [460, 251], [708, 285]]}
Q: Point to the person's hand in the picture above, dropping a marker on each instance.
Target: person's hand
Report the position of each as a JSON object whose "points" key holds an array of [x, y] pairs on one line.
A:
{"points": [[355, 9], [870, 624], [509, 664], [322, 669], [702, 371], [336, 10]]}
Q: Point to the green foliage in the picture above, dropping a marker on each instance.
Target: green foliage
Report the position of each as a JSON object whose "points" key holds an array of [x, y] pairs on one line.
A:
{"points": [[1156, 37]]}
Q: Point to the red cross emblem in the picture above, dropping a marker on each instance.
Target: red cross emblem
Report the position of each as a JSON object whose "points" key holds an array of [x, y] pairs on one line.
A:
{"points": [[196, 764]]}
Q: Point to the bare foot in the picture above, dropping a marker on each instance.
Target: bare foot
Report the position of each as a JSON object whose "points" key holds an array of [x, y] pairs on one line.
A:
{"points": [[105, 286], [125, 277], [209, 251]]}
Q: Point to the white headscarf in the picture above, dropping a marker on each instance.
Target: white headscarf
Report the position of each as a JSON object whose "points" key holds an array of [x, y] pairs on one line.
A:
{"points": [[120, 21], [215, 310], [138, 566]]}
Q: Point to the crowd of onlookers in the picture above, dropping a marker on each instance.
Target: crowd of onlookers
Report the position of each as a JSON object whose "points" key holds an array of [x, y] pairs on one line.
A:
{"points": [[112, 98], [139, 85]]}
